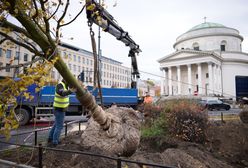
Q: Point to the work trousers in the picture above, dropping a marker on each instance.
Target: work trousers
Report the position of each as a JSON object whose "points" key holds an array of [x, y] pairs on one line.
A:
{"points": [[55, 132]]}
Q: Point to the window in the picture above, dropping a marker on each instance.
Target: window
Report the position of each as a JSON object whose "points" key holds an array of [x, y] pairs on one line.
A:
{"points": [[196, 46], [207, 75], [223, 45], [196, 76], [1, 52], [8, 54], [25, 58], [70, 66], [79, 59], [17, 55], [74, 58], [7, 68], [74, 68]]}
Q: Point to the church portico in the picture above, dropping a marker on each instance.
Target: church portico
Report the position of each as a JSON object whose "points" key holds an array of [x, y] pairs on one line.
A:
{"points": [[189, 79]]}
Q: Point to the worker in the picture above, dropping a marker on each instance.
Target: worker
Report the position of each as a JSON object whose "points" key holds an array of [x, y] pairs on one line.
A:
{"points": [[148, 99], [60, 106]]}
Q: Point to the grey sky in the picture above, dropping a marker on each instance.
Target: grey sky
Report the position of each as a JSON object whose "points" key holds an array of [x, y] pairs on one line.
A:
{"points": [[155, 25]]}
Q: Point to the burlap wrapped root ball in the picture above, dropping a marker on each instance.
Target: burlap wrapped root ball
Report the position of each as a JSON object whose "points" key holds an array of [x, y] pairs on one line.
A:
{"points": [[122, 138]]}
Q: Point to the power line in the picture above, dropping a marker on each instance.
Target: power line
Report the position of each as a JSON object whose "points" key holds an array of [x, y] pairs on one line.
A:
{"points": [[186, 83]]}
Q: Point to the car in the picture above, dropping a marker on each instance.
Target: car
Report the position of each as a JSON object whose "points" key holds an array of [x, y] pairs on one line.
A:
{"points": [[217, 105]]}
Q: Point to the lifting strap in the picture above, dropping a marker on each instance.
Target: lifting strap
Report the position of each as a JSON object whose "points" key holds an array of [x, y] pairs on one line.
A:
{"points": [[96, 81]]}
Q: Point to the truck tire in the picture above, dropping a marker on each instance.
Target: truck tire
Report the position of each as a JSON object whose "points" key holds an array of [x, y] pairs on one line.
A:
{"points": [[22, 115]]}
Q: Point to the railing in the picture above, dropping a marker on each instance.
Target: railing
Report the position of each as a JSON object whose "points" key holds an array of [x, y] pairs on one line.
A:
{"points": [[41, 148]]}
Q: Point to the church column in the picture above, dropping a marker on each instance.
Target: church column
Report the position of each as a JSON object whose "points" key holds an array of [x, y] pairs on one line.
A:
{"points": [[219, 80], [189, 79], [215, 78], [210, 78], [179, 80], [165, 81], [170, 81], [162, 82], [199, 70]]}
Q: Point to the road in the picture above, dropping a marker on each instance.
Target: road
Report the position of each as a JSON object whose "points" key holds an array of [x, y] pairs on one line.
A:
{"points": [[29, 138], [234, 111]]}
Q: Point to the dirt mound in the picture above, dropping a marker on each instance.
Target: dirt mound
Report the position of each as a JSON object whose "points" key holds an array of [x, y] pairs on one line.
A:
{"points": [[227, 147]]}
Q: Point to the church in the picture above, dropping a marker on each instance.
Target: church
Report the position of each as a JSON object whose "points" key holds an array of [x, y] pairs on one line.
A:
{"points": [[207, 61]]}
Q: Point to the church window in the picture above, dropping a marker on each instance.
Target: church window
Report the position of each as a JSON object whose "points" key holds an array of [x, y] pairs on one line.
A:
{"points": [[223, 45], [196, 46]]}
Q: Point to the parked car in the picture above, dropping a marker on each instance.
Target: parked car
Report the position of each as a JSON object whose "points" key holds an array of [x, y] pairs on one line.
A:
{"points": [[217, 105]]}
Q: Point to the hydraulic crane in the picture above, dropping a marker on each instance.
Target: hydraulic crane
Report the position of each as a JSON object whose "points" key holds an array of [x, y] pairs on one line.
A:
{"points": [[98, 15]]}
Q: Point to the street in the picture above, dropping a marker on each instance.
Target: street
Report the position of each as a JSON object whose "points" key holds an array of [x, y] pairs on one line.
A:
{"points": [[27, 137], [234, 111]]}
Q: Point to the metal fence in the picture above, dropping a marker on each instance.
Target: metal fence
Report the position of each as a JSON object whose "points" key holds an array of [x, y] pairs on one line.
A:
{"points": [[41, 148]]}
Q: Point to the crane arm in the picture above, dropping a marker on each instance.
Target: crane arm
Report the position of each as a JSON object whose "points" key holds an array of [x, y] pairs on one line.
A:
{"points": [[98, 15]]}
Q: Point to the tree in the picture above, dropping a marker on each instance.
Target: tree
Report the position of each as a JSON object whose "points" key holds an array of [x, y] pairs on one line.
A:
{"points": [[35, 19]]}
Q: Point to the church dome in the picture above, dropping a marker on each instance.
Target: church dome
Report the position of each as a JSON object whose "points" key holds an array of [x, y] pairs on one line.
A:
{"points": [[209, 36], [206, 25]]}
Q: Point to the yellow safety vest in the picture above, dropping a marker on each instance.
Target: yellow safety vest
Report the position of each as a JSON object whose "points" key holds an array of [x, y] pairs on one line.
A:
{"points": [[61, 101]]}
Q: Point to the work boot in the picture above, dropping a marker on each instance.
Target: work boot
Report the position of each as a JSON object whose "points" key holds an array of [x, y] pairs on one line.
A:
{"points": [[49, 140], [52, 145]]}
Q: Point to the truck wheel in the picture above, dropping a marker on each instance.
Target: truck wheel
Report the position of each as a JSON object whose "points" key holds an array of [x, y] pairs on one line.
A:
{"points": [[22, 115]]}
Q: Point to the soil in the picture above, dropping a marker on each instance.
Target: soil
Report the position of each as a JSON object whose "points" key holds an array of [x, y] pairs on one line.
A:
{"points": [[227, 146]]}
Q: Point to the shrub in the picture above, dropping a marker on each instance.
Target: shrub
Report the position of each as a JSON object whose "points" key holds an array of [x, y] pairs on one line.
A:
{"points": [[154, 124], [186, 120]]}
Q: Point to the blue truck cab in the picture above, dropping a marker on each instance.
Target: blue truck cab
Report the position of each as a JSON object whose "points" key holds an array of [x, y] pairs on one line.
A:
{"points": [[42, 103]]}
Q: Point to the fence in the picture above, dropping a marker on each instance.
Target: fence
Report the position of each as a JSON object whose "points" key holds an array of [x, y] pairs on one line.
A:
{"points": [[41, 148]]}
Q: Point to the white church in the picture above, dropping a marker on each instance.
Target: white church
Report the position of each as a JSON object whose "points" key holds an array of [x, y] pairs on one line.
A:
{"points": [[208, 61]]}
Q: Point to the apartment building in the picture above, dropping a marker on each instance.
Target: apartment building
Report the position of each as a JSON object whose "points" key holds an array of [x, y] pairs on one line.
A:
{"points": [[113, 73]]}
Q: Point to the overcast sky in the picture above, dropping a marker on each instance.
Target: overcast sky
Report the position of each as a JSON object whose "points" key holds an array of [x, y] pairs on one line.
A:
{"points": [[154, 25]]}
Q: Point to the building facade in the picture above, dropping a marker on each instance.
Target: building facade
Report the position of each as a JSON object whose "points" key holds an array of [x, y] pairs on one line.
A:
{"points": [[208, 61], [113, 73]]}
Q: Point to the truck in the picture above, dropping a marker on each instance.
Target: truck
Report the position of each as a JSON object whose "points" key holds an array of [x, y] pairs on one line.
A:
{"points": [[42, 103]]}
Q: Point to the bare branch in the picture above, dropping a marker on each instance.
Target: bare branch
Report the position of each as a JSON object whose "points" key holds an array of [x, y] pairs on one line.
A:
{"points": [[20, 43], [6, 24], [61, 18], [73, 18], [21, 65], [46, 21], [1, 41], [42, 3], [55, 10], [36, 10]]}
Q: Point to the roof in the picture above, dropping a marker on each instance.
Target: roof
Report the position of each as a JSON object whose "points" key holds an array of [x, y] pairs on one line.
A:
{"points": [[206, 25]]}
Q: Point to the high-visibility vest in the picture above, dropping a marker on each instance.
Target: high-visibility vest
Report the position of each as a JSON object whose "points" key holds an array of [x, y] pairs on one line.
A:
{"points": [[61, 101]]}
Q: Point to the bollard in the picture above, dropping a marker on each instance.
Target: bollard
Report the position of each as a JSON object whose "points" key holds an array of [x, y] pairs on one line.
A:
{"points": [[222, 120], [40, 156], [119, 163], [35, 137], [79, 126], [66, 129]]}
